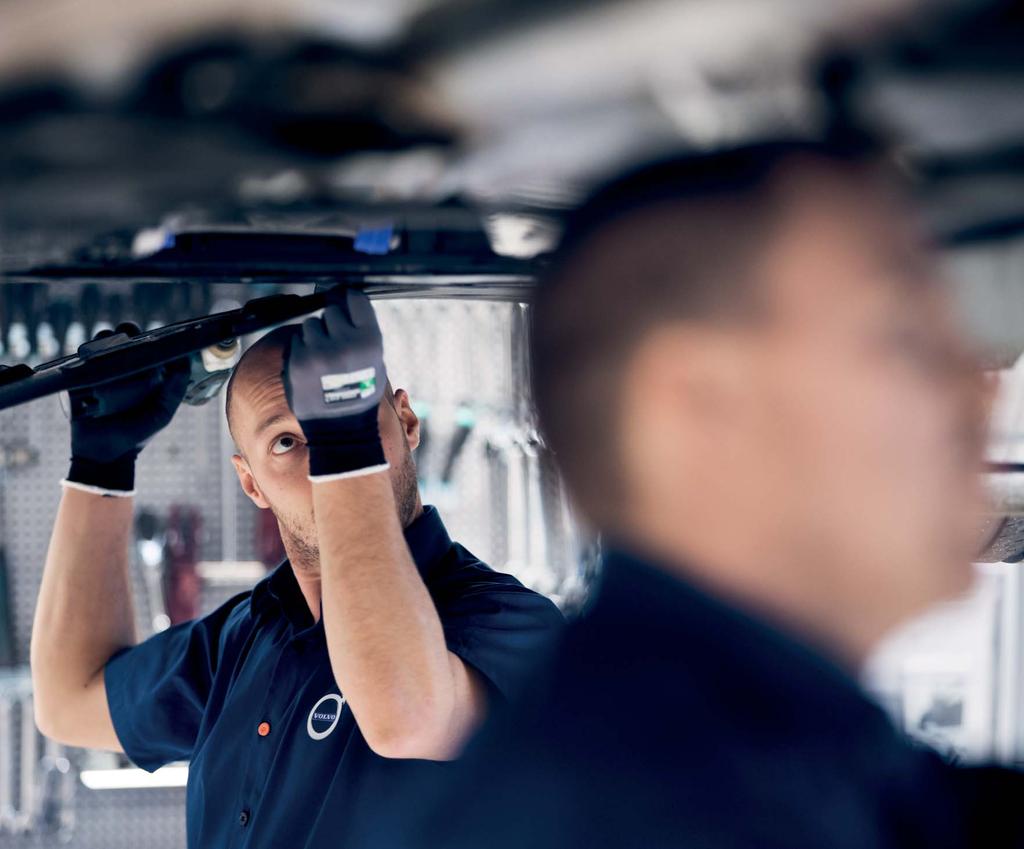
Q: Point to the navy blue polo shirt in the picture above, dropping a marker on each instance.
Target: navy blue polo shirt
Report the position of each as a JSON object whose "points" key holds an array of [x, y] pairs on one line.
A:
{"points": [[247, 695], [671, 718]]}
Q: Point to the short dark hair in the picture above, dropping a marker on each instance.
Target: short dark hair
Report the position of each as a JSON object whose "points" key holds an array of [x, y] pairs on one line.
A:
{"points": [[675, 239]]}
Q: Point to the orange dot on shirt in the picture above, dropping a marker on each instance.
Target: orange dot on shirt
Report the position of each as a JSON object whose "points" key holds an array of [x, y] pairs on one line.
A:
{"points": [[263, 729]]}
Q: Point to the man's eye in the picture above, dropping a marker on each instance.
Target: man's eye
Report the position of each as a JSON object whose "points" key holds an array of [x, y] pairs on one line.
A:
{"points": [[283, 444]]}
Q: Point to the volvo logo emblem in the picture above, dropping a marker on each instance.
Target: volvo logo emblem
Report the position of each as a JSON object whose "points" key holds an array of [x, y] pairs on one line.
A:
{"points": [[324, 716]]}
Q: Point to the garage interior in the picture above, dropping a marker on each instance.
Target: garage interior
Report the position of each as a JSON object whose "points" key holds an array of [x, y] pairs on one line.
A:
{"points": [[162, 163]]}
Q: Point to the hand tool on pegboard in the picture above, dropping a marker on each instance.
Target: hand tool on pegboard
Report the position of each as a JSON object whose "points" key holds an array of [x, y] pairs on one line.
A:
{"points": [[8, 313], [34, 311], [113, 309], [90, 303], [121, 353], [7, 652], [181, 578], [60, 314]]}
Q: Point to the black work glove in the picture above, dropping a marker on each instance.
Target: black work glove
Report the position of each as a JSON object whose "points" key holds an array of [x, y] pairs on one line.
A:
{"points": [[111, 422], [334, 379]]}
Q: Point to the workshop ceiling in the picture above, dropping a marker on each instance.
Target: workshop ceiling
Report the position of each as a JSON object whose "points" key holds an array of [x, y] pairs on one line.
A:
{"points": [[118, 118]]}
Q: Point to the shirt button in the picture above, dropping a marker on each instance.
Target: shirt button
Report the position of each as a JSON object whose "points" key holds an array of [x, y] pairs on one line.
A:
{"points": [[243, 818], [263, 729]]}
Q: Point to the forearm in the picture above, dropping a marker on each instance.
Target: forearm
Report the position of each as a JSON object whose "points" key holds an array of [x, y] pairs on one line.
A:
{"points": [[385, 640], [84, 612]]}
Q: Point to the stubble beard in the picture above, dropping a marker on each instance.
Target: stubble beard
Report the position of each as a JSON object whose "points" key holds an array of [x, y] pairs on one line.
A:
{"points": [[300, 538]]}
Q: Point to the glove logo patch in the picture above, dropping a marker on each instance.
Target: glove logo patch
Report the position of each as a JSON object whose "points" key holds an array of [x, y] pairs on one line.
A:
{"points": [[349, 385], [324, 716]]}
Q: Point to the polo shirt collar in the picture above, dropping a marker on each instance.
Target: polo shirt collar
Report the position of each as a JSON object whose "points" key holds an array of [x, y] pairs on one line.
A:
{"points": [[428, 542]]}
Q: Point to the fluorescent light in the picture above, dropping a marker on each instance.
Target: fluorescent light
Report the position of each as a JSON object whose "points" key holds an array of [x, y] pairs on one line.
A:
{"points": [[130, 778], [225, 572]]}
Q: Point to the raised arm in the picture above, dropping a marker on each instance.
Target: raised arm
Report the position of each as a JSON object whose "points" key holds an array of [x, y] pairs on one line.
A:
{"points": [[410, 696], [84, 613]]}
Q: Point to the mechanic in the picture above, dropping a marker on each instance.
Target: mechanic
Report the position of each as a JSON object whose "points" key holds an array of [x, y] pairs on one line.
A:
{"points": [[752, 378], [372, 651]]}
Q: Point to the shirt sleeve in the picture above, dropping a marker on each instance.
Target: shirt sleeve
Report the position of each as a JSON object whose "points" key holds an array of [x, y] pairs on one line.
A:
{"points": [[495, 624], [157, 690]]}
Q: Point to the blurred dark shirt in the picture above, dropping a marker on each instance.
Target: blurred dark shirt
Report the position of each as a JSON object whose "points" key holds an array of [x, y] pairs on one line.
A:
{"points": [[669, 719]]}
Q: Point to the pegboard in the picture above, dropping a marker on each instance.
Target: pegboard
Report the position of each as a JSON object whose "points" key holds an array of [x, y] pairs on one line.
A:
{"points": [[117, 819], [181, 466]]}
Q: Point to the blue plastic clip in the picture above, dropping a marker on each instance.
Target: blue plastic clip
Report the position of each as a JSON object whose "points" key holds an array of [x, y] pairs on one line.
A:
{"points": [[374, 240]]}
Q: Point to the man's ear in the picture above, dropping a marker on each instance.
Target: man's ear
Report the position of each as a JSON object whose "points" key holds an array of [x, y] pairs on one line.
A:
{"points": [[685, 395], [410, 421], [702, 372], [248, 481]]}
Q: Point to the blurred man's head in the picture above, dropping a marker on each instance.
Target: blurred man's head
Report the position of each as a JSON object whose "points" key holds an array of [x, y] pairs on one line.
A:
{"points": [[272, 462], [746, 364]]}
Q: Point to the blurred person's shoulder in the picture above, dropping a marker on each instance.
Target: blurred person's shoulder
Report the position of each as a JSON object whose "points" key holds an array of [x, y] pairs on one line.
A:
{"points": [[578, 759]]}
